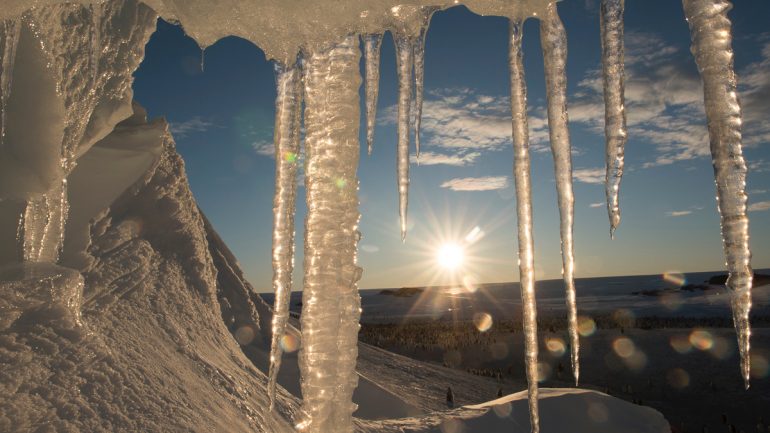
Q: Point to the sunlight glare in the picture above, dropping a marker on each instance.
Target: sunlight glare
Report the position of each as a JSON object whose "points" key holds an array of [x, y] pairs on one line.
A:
{"points": [[450, 256]]}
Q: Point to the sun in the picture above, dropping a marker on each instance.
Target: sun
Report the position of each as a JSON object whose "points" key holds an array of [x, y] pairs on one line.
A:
{"points": [[450, 256]]}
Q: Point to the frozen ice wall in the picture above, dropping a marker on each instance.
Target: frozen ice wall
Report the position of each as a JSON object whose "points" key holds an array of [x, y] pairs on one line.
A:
{"points": [[66, 75]]}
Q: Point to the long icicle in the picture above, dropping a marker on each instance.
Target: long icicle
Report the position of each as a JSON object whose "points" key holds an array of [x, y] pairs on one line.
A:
{"points": [[9, 40], [554, 41], [372, 45], [521, 171], [419, 73], [331, 306], [286, 140], [711, 33], [405, 61], [614, 104]]}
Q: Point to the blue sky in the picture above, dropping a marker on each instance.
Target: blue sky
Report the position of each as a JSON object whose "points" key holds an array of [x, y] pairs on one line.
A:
{"points": [[222, 119]]}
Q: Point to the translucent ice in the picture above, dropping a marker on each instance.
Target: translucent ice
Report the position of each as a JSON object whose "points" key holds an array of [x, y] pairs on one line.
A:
{"points": [[405, 60], [372, 44], [419, 72], [614, 103], [331, 306], [287, 137], [554, 41], [521, 171], [711, 32]]}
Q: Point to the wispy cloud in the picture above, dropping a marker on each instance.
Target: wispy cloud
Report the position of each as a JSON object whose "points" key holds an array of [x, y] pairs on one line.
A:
{"points": [[264, 148], [196, 124], [596, 205], [588, 175], [487, 183], [664, 100], [456, 159], [759, 206], [679, 213]]}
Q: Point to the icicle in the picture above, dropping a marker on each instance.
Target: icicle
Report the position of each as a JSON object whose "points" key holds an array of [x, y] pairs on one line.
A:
{"points": [[331, 306], [287, 121], [554, 42], [405, 60], [614, 104], [419, 73], [9, 40], [203, 60], [521, 171], [711, 33], [372, 44]]}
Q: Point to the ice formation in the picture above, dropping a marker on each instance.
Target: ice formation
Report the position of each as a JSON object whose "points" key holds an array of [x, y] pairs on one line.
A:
{"points": [[288, 106], [419, 72], [331, 306], [372, 45], [405, 60], [613, 69], [553, 38], [68, 66], [521, 171], [712, 47]]}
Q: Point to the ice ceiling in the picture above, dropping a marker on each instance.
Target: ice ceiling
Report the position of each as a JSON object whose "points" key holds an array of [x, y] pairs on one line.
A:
{"points": [[68, 66]]}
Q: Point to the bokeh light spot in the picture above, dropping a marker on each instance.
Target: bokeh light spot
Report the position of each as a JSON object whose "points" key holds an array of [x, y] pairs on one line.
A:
{"points": [[701, 339], [623, 347], [245, 335], [482, 321], [543, 371], [289, 343], [681, 343], [555, 345], [676, 278], [759, 366], [586, 326]]}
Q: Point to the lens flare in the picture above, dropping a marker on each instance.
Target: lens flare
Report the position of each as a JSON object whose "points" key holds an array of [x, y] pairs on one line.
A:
{"points": [[586, 326], [245, 335], [701, 339], [681, 343], [623, 347], [483, 321], [759, 366], [289, 343], [555, 345], [675, 278]]}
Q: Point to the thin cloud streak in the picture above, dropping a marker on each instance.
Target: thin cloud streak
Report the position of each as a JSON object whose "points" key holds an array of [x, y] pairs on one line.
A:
{"points": [[486, 183], [196, 124]]}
